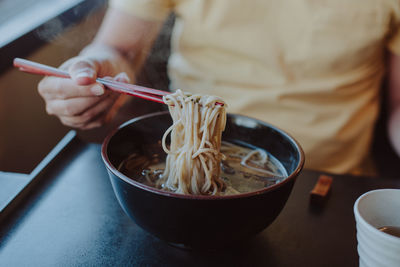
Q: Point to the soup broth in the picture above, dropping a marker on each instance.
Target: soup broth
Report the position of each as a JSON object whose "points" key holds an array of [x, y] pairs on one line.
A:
{"points": [[243, 169]]}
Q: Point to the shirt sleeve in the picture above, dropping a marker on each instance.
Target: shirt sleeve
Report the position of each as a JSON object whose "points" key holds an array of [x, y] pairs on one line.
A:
{"points": [[156, 10]]}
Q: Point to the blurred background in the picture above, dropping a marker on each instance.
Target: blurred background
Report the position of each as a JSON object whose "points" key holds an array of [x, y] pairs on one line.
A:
{"points": [[27, 133], [49, 32]]}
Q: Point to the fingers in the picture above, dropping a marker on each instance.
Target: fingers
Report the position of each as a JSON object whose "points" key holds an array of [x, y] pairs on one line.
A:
{"points": [[84, 71], [122, 77], [91, 117], [58, 88], [80, 102], [72, 106]]}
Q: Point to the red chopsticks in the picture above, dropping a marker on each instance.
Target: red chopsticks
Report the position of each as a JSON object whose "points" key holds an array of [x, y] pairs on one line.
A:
{"points": [[124, 88]]}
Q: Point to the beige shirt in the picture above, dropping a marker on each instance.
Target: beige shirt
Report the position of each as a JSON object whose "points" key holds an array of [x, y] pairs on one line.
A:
{"points": [[312, 68]]}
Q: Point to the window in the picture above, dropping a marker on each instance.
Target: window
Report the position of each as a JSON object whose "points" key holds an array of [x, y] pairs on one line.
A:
{"points": [[18, 17]]}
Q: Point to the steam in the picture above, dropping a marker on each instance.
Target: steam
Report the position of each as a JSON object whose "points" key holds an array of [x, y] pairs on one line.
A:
{"points": [[50, 30], [154, 72], [61, 30], [65, 34]]}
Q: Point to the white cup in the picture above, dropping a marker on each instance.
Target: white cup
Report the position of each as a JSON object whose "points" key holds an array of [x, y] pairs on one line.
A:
{"points": [[373, 210]]}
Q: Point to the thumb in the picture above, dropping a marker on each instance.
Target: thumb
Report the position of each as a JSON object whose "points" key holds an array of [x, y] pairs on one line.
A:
{"points": [[83, 71], [122, 77]]}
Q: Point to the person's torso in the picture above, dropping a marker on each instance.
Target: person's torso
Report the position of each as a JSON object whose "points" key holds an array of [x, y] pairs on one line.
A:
{"points": [[312, 68]]}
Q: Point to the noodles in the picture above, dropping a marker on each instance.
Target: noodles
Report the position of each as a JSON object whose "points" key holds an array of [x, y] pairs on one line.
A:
{"points": [[196, 156], [193, 160], [260, 163], [243, 169]]}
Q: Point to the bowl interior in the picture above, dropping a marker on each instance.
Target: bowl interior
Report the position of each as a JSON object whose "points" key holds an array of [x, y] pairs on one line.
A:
{"points": [[143, 136]]}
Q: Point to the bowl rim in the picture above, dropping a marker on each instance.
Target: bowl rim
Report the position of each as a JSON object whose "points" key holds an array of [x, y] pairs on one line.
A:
{"points": [[113, 169]]}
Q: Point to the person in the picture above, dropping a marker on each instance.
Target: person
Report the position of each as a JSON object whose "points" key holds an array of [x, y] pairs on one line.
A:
{"points": [[312, 68]]}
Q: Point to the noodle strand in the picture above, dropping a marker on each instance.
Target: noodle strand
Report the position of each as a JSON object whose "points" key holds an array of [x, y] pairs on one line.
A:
{"points": [[193, 157]]}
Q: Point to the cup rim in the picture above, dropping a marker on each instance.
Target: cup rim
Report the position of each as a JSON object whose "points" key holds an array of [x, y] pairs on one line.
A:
{"points": [[150, 189], [361, 220]]}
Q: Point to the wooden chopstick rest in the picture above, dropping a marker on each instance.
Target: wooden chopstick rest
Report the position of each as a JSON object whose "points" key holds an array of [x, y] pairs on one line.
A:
{"points": [[321, 189]]}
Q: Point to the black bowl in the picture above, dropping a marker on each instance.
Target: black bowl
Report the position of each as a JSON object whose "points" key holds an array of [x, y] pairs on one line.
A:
{"points": [[200, 221]]}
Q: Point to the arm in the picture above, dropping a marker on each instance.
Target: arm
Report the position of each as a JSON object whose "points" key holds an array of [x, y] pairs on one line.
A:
{"points": [[394, 102], [118, 50], [122, 42]]}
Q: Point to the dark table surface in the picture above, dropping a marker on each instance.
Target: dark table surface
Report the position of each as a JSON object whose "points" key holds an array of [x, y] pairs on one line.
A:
{"points": [[72, 218]]}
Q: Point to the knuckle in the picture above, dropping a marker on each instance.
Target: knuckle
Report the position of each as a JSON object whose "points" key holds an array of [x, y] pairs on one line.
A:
{"points": [[69, 110], [66, 122], [58, 89], [81, 64], [43, 87], [68, 63], [49, 110]]}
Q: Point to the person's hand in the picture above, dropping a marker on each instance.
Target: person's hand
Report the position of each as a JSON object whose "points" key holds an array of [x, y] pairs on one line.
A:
{"points": [[80, 102]]}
